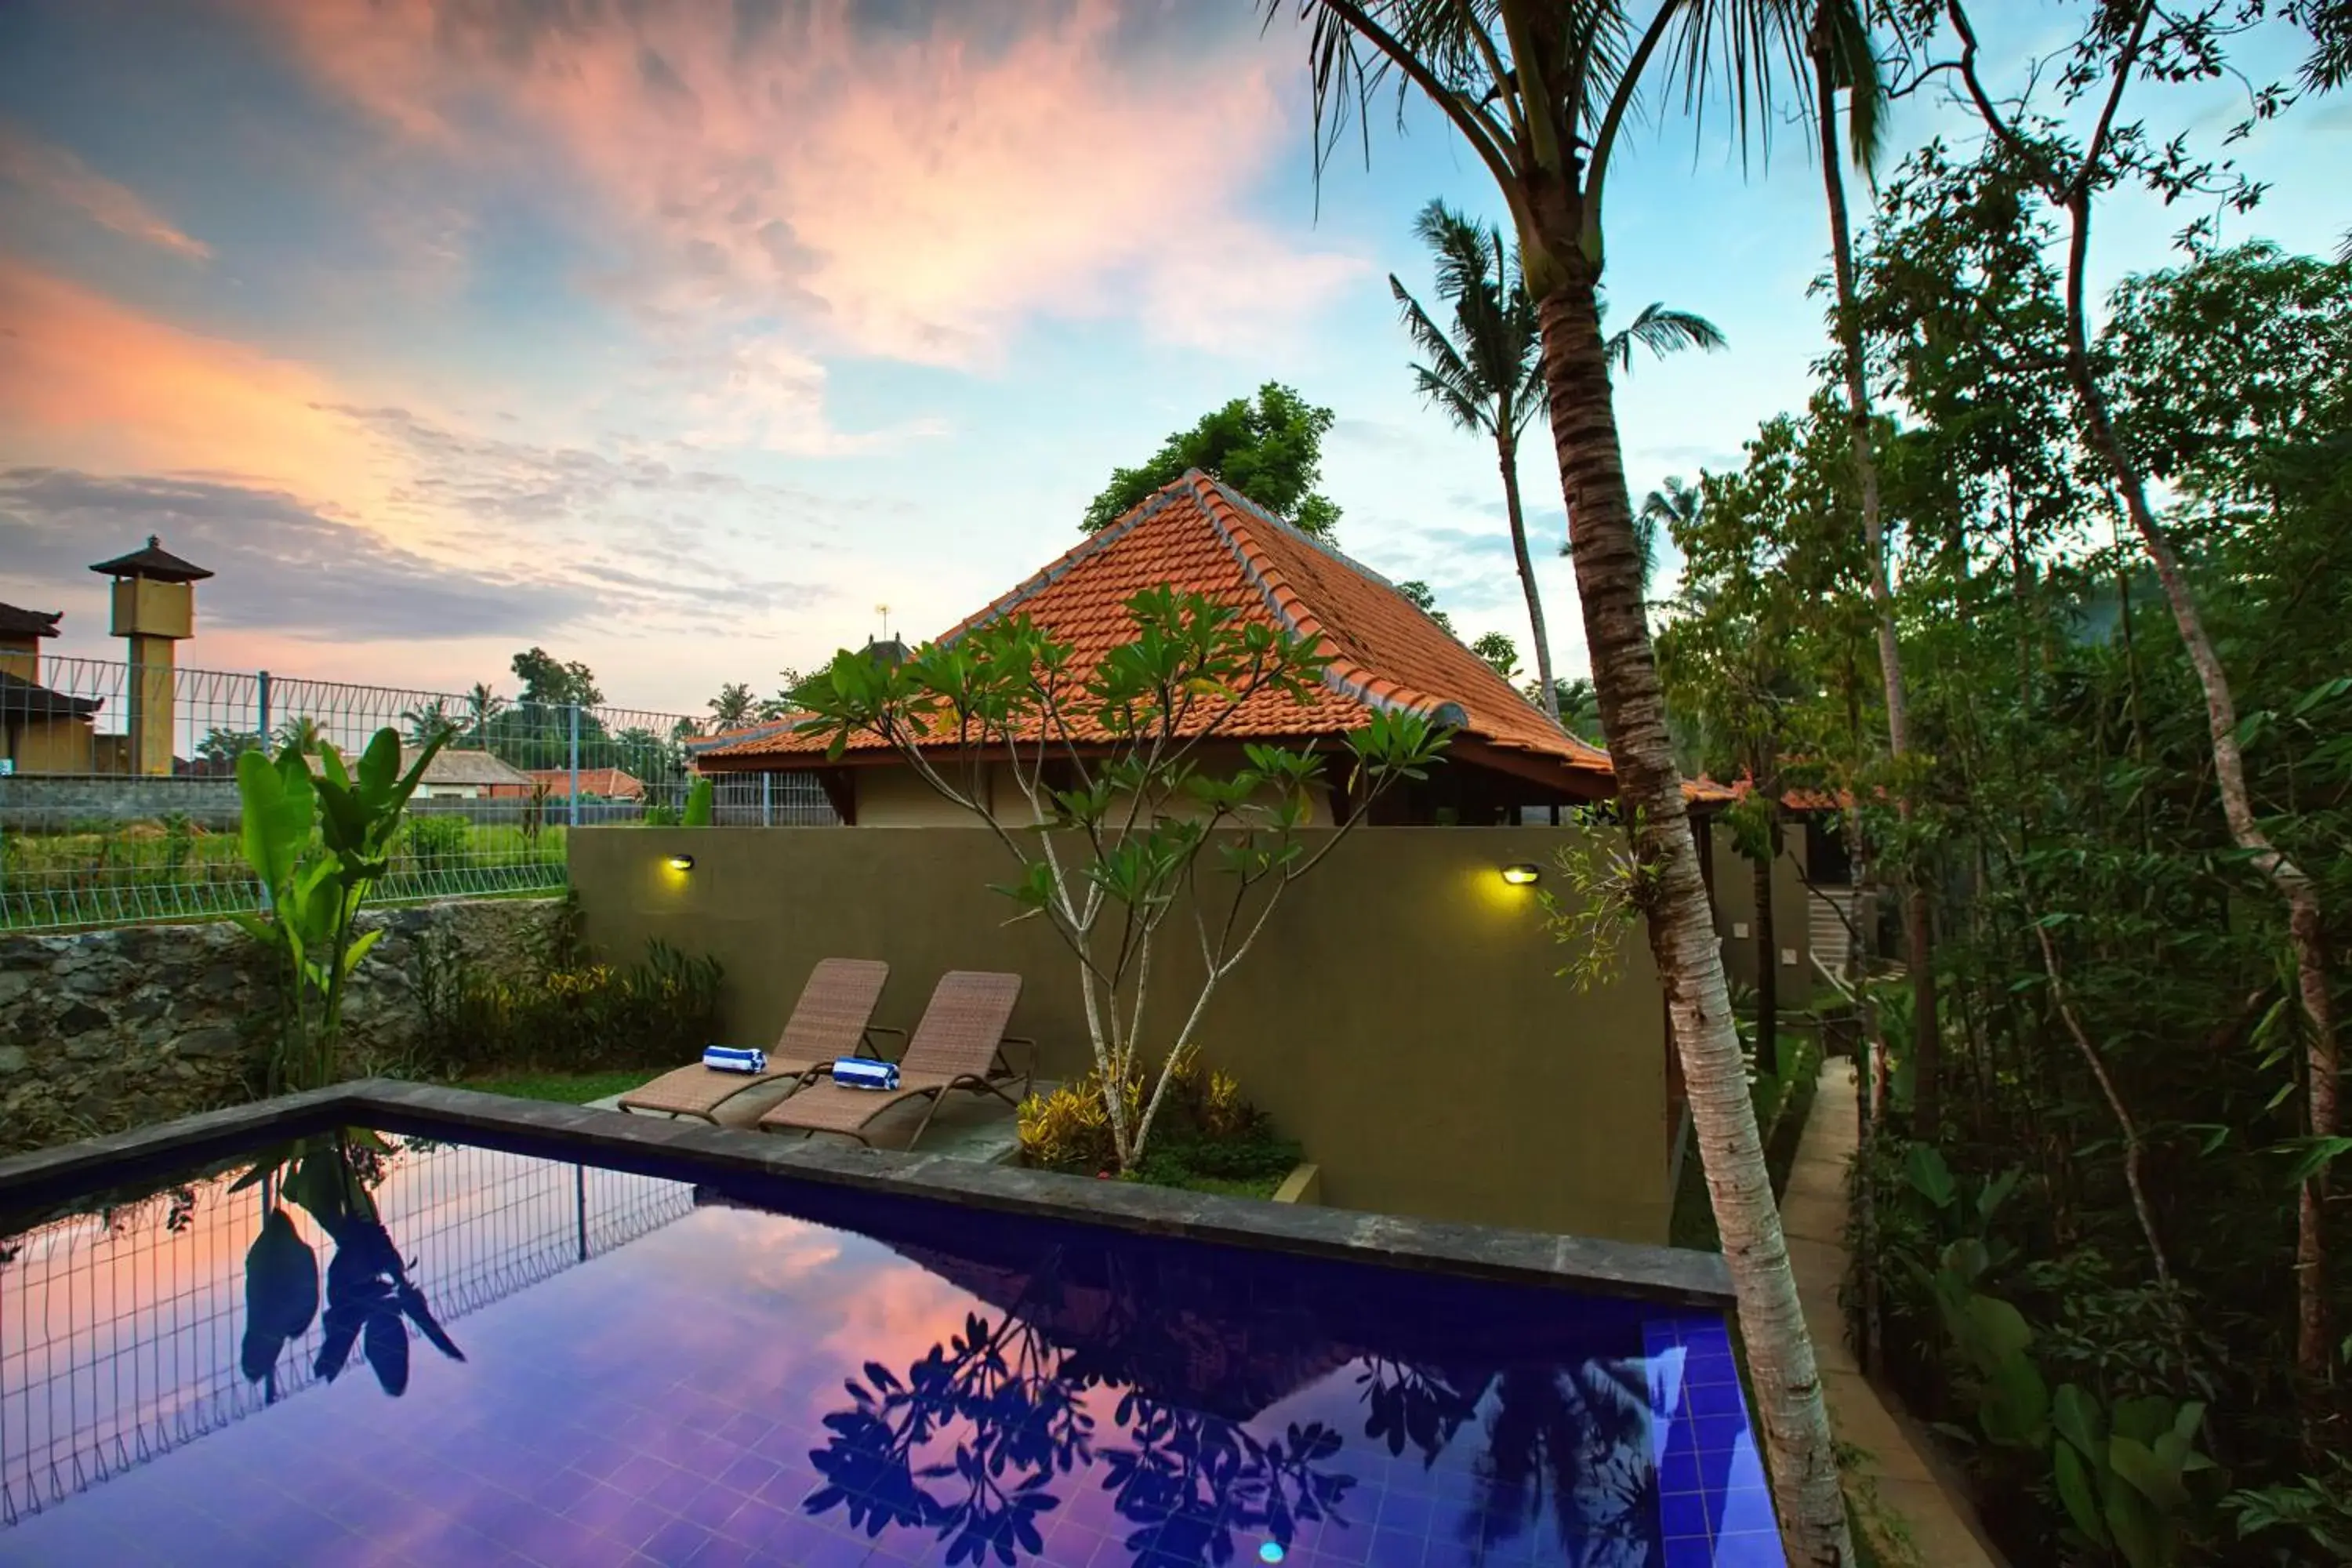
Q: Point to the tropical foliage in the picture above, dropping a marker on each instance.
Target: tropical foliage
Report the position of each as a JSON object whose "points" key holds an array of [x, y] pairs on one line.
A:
{"points": [[317, 846], [1269, 448], [1156, 827]]}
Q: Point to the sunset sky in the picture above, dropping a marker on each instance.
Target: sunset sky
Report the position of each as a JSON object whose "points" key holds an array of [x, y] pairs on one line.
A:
{"points": [[678, 337]]}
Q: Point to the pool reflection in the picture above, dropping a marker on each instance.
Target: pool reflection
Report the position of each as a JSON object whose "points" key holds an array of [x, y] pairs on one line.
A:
{"points": [[794, 1374]]}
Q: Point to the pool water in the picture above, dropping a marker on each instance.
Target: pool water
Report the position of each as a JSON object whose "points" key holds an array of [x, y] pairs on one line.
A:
{"points": [[654, 1371]]}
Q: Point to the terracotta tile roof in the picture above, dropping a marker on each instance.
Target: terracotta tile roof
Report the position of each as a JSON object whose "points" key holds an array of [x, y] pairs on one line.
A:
{"points": [[612, 784], [1793, 799], [1199, 535]]}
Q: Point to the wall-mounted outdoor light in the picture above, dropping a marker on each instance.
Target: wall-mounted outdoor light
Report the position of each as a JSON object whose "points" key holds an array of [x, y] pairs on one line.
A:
{"points": [[1522, 875], [681, 862]]}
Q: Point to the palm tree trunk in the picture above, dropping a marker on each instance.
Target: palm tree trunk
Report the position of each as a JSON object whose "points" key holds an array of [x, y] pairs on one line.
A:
{"points": [[2305, 926], [1919, 955], [1507, 453], [1767, 950], [1673, 895]]}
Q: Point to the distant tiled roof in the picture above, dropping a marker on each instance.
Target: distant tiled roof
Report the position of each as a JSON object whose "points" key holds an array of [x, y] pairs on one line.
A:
{"points": [[723, 739], [16, 623], [451, 766], [611, 784], [1199, 535], [1798, 799], [21, 699], [153, 562]]}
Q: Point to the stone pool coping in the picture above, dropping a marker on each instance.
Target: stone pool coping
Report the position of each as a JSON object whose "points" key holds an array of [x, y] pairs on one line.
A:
{"points": [[659, 1146]]}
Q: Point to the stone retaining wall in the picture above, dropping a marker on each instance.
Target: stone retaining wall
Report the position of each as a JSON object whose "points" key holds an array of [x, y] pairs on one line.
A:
{"points": [[36, 802], [108, 1030]]}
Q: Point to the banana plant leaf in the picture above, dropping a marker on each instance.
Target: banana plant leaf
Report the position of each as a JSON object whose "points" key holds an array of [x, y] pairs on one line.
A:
{"points": [[370, 1303], [281, 1294]]}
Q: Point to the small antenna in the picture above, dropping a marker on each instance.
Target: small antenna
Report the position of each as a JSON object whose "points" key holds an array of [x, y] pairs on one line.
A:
{"points": [[884, 611]]}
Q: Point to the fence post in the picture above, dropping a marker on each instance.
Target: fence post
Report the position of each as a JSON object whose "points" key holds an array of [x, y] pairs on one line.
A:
{"points": [[573, 817], [767, 800], [261, 716]]}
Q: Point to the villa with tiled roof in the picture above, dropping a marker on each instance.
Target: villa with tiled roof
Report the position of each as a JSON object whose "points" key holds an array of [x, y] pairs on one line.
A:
{"points": [[1199, 535]]}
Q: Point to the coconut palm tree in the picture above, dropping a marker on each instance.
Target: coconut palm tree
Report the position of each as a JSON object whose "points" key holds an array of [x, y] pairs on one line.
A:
{"points": [[1482, 372], [482, 705], [426, 719], [302, 732], [1486, 373], [1541, 93], [1674, 503], [733, 706]]}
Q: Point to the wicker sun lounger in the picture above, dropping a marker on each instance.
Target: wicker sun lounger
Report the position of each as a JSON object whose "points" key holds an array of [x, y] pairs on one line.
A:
{"points": [[959, 1045], [830, 1020]]}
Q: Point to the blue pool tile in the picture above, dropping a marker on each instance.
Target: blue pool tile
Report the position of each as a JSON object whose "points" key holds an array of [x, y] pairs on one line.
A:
{"points": [[1679, 1471], [1749, 1549], [638, 1523], [747, 1474], [1396, 1549], [722, 1552], [1685, 1515], [601, 1506], [674, 1545], [681, 1491], [1414, 1515]]}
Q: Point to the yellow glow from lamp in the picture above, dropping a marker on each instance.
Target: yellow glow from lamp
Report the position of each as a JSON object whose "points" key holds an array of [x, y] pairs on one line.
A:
{"points": [[1522, 875], [681, 862]]}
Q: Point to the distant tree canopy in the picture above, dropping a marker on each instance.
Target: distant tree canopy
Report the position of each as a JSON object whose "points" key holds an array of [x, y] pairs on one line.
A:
{"points": [[552, 684], [1424, 597], [1270, 449]]}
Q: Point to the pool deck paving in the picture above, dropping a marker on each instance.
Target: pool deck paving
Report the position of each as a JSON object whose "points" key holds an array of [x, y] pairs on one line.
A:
{"points": [[968, 1126], [1905, 1495]]}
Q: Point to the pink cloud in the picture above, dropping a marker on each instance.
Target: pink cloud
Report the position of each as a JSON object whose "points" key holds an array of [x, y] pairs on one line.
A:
{"points": [[86, 381], [911, 194], [56, 175]]}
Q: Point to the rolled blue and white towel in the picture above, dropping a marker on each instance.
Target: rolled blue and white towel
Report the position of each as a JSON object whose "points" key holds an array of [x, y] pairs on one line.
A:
{"points": [[864, 1072], [734, 1058]]}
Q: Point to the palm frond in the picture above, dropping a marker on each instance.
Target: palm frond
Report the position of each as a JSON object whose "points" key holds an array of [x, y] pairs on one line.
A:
{"points": [[1746, 53], [1664, 330], [1854, 66], [1448, 379]]}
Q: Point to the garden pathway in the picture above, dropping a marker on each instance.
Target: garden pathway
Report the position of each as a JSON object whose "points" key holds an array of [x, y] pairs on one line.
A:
{"points": [[1903, 1495]]}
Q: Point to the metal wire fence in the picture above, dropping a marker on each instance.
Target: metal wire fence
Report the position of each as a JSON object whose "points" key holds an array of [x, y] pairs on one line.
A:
{"points": [[119, 800], [121, 1331]]}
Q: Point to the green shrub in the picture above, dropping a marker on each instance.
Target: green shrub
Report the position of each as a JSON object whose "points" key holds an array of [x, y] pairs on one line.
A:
{"points": [[572, 1015], [1207, 1133]]}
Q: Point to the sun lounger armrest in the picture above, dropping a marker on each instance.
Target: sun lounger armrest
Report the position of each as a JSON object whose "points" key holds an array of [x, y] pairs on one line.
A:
{"points": [[873, 1029]]}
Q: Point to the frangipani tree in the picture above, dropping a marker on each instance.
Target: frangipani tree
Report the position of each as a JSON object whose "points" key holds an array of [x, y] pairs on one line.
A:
{"points": [[1132, 827]]}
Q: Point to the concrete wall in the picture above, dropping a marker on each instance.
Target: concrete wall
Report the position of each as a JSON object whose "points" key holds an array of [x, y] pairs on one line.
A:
{"points": [[108, 1030], [1400, 1016], [892, 795], [1735, 906], [50, 745]]}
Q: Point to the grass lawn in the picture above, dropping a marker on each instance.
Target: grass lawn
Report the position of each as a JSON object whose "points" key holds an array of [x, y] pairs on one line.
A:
{"points": [[568, 1087]]}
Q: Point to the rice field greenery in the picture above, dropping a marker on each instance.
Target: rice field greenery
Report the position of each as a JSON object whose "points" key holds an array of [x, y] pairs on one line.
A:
{"points": [[107, 873]]}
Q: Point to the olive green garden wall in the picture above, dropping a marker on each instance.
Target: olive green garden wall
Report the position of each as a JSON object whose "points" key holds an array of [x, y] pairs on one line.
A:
{"points": [[1400, 1015], [1735, 906]]}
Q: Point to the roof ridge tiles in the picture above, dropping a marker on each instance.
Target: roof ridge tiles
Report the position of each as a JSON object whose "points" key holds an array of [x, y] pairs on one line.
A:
{"points": [[1344, 675]]}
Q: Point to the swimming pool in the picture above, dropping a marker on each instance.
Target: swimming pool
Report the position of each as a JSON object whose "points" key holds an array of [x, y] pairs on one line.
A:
{"points": [[676, 1364]]}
